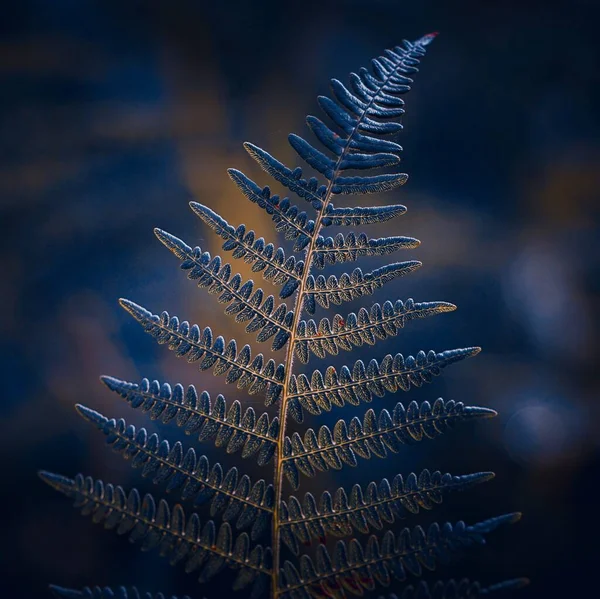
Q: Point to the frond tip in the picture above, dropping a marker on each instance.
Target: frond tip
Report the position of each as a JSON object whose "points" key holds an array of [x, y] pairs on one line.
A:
{"points": [[167, 528]]}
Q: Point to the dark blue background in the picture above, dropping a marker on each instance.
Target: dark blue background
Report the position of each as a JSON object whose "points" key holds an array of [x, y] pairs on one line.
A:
{"points": [[115, 114]]}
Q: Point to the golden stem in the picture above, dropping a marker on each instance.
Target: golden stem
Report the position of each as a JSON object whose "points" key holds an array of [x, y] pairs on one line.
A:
{"points": [[289, 358]]}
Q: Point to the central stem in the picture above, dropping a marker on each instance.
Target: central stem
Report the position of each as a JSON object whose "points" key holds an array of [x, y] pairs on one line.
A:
{"points": [[289, 362], [289, 359]]}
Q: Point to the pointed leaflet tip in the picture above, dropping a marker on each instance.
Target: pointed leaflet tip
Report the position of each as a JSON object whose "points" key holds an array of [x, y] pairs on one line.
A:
{"points": [[56, 481], [65, 593], [176, 245], [512, 584], [428, 38], [136, 311], [492, 524], [91, 415], [479, 477], [111, 382], [446, 307]]}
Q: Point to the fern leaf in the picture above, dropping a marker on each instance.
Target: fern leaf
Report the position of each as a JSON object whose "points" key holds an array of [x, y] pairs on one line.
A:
{"points": [[288, 219], [236, 497], [379, 505], [368, 327], [376, 184], [176, 536], [245, 302], [374, 436], [330, 250], [353, 568], [353, 217], [456, 589], [352, 286], [267, 259], [107, 593], [310, 190], [229, 428], [348, 149], [194, 344], [361, 384]]}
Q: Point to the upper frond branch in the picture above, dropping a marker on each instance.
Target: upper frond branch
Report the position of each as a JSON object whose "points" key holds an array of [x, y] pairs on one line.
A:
{"points": [[231, 428], [379, 505], [353, 568], [178, 537], [358, 116], [328, 291], [374, 436], [235, 496], [245, 302], [329, 250], [368, 327], [288, 219], [107, 593], [362, 383], [265, 258], [353, 217], [312, 191], [190, 341]]}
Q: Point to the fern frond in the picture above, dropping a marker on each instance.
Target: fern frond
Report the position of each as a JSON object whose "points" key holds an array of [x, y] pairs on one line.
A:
{"points": [[456, 589], [352, 286], [330, 250], [107, 593], [311, 190], [353, 217], [245, 302], [361, 384], [194, 344], [236, 497], [288, 219], [230, 428], [368, 327], [349, 151], [380, 504], [177, 537], [265, 258], [353, 568], [374, 436]]}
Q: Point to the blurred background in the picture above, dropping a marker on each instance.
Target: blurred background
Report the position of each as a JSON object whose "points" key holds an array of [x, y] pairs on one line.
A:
{"points": [[114, 114]]}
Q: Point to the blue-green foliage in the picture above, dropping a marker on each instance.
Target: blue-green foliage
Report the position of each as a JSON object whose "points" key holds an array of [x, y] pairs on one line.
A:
{"points": [[359, 116]]}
